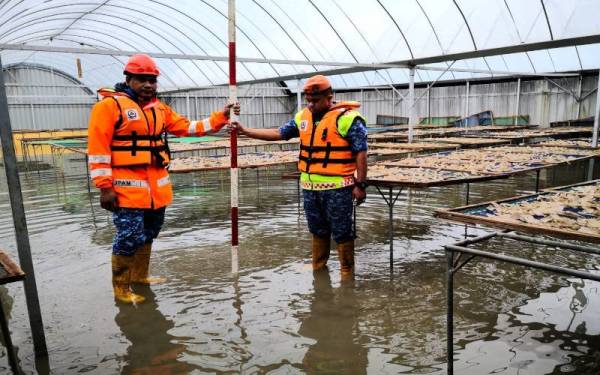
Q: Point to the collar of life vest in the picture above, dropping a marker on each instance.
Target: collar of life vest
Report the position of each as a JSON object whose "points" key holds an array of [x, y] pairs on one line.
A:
{"points": [[108, 91], [345, 105]]}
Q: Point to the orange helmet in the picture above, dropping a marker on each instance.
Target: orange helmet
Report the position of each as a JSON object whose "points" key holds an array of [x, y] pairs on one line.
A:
{"points": [[141, 64], [316, 84]]}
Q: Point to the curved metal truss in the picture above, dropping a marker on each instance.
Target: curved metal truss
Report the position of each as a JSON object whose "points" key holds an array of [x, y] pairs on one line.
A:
{"points": [[291, 40]]}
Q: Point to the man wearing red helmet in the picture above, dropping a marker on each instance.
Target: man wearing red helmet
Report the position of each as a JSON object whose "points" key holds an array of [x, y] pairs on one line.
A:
{"points": [[333, 166], [128, 157]]}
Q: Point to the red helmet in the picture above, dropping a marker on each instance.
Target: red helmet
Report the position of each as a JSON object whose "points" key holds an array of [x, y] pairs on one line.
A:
{"points": [[141, 64]]}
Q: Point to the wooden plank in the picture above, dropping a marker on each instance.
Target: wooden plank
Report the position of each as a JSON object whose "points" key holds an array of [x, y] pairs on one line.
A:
{"points": [[567, 187], [382, 182], [13, 271], [525, 169], [521, 227], [469, 141], [205, 169], [578, 144], [416, 147], [458, 214]]}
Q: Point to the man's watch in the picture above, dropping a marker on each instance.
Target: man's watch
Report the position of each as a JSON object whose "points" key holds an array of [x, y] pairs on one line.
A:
{"points": [[361, 185]]}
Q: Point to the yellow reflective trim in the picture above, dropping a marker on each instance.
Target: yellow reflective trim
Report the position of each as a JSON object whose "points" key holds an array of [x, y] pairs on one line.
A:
{"points": [[298, 118], [311, 181], [345, 121]]}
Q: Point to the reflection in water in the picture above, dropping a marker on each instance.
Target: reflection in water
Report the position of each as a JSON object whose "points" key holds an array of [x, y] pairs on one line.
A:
{"points": [[573, 308], [152, 350], [332, 322], [277, 318]]}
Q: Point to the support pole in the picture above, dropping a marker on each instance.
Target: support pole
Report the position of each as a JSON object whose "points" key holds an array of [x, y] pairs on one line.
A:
{"points": [[429, 105], [233, 140], [411, 104], [298, 96], [467, 100], [596, 115], [394, 106], [579, 99], [517, 102], [20, 223], [262, 106], [362, 97], [450, 311], [391, 229], [187, 106]]}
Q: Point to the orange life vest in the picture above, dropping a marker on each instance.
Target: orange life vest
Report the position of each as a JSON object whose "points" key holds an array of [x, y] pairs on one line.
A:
{"points": [[137, 140], [125, 151], [323, 150]]}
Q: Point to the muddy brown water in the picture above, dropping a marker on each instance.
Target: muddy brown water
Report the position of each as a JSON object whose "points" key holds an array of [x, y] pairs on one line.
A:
{"points": [[275, 316]]}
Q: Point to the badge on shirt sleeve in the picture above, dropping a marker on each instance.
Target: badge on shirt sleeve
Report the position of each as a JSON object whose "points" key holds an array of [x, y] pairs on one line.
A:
{"points": [[132, 114], [303, 125]]}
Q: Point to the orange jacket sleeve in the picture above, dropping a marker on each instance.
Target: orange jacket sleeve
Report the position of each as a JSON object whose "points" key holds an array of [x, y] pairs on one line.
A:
{"points": [[104, 115], [182, 127]]}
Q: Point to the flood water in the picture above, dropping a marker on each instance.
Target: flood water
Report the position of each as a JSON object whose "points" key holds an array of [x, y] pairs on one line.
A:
{"points": [[277, 317]]}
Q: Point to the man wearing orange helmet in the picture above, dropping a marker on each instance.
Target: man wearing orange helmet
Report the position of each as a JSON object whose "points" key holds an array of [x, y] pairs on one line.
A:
{"points": [[333, 166], [128, 157]]}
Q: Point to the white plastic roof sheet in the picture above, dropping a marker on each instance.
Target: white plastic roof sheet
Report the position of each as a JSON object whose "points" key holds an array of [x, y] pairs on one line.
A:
{"points": [[348, 31]]}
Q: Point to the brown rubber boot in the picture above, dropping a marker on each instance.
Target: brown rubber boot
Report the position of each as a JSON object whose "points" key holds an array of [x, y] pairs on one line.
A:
{"points": [[121, 279], [346, 255], [141, 263], [320, 252]]}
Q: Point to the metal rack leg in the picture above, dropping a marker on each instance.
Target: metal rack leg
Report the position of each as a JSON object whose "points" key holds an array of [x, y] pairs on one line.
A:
{"points": [[87, 174], [390, 203], [450, 312], [537, 180], [467, 203], [298, 192], [391, 215], [12, 357]]}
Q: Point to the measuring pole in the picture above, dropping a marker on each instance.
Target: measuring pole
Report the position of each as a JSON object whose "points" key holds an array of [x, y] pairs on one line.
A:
{"points": [[233, 140]]}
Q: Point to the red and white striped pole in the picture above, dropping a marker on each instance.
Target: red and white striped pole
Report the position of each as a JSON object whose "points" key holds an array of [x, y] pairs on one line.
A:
{"points": [[233, 140]]}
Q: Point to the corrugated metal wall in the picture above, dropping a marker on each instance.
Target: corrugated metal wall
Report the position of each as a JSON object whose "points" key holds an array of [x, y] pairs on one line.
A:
{"points": [[264, 105], [542, 100], [43, 99]]}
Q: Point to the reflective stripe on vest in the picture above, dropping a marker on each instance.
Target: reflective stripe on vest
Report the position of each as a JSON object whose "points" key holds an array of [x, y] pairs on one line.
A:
{"points": [[100, 172], [99, 159], [131, 183], [163, 181], [192, 128]]}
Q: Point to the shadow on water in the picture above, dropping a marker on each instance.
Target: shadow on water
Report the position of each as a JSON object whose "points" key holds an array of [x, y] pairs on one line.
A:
{"points": [[275, 316], [152, 349]]}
